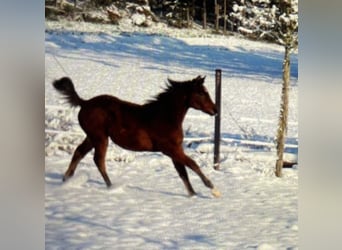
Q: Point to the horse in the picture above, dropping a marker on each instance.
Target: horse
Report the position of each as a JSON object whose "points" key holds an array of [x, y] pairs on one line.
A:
{"points": [[155, 126]]}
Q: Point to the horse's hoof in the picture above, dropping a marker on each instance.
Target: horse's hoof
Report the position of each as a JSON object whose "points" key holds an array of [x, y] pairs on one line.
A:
{"points": [[192, 194], [215, 192]]}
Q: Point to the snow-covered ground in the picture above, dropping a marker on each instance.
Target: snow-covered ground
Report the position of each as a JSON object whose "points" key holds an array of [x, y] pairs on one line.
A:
{"points": [[148, 207]]}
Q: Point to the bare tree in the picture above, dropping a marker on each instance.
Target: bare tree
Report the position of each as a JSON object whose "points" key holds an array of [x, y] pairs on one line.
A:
{"points": [[288, 36]]}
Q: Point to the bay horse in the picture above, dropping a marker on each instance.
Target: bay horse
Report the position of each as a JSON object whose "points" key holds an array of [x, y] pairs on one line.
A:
{"points": [[153, 126]]}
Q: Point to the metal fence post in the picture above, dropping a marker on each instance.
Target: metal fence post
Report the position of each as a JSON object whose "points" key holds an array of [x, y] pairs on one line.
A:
{"points": [[218, 77]]}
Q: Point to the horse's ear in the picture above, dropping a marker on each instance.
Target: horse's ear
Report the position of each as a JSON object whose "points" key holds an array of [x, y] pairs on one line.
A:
{"points": [[170, 81], [200, 80]]}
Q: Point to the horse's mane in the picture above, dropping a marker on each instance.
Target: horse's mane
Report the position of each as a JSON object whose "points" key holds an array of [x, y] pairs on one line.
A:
{"points": [[171, 86]]}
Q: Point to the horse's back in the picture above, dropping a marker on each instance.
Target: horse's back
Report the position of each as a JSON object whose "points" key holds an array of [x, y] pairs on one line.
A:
{"points": [[106, 115]]}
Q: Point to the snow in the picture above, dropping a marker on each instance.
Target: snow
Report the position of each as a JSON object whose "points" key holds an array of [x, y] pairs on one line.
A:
{"points": [[148, 207]]}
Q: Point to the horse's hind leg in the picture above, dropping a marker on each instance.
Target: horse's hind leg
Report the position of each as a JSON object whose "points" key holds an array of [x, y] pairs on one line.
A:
{"points": [[79, 153], [100, 158], [184, 176]]}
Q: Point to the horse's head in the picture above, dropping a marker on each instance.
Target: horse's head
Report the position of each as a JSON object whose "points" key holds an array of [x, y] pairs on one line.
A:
{"points": [[199, 97]]}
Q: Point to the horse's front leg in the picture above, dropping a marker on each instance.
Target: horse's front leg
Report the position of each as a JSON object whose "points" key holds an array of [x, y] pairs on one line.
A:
{"points": [[180, 157], [193, 165], [184, 176]]}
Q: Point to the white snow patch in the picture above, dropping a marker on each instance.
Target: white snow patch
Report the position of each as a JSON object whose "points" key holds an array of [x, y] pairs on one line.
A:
{"points": [[148, 207]]}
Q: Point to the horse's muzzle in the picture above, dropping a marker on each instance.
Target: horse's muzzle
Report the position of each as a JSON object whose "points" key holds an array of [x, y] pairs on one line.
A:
{"points": [[213, 112]]}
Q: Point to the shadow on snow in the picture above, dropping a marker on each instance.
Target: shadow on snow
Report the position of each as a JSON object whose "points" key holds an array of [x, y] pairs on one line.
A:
{"points": [[166, 51], [255, 142]]}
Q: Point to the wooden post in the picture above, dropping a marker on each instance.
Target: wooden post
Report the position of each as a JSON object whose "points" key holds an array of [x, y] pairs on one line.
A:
{"points": [[217, 138]]}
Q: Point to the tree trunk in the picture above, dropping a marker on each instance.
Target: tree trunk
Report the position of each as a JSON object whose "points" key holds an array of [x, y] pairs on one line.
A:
{"points": [[193, 11], [217, 14], [284, 107], [188, 17], [224, 17], [204, 14]]}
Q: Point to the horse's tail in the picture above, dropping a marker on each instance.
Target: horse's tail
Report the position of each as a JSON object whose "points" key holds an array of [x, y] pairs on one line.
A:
{"points": [[66, 88]]}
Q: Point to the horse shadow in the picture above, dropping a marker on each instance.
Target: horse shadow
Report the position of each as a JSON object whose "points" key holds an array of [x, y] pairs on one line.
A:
{"points": [[53, 178], [166, 193]]}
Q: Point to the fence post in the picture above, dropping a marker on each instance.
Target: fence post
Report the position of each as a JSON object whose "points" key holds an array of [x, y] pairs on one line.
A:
{"points": [[218, 77]]}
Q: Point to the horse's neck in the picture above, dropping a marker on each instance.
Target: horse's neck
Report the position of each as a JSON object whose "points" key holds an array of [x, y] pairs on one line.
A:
{"points": [[172, 112], [175, 112]]}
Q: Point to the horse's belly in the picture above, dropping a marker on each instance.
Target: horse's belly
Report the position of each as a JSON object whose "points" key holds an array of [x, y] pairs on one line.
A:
{"points": [[136, 141]]}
